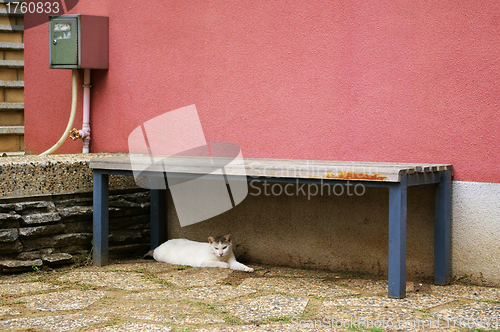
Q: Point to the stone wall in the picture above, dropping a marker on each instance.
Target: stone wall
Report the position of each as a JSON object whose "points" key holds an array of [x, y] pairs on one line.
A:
{"points": [[46, 212], [51, 230]]}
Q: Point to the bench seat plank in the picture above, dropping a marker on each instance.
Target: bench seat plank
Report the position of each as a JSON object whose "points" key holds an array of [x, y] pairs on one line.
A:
{"points": [[280, 168]]}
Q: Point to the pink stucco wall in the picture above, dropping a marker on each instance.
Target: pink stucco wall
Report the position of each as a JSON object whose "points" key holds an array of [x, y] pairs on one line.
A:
{"points": [[395, 81]]}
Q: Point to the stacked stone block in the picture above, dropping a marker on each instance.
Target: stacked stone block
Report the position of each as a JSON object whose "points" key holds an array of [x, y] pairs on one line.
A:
{"points": [[58, 230]]}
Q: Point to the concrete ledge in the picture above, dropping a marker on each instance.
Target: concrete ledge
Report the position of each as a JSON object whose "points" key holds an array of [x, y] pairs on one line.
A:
{"points": [[11, 63], [10, 106], [6, 12], [29, 175], [11, 84], [13, 28], [11, 130]]}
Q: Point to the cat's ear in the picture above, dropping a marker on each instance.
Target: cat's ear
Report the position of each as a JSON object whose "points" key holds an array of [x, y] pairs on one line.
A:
{"points": [[229, 238], [210, 239]]}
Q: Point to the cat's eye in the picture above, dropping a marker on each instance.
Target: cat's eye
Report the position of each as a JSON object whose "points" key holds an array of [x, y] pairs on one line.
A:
{"points": [[224, 247], [216, 248]]}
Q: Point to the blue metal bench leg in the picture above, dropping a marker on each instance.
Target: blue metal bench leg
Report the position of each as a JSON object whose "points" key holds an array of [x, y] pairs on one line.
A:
{"points": [[397, 239], [101, 218], [158, 217], [442, 230]]}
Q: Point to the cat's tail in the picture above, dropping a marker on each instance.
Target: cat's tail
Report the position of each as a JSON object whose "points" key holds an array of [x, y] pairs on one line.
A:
{"points": [[149, 254]]}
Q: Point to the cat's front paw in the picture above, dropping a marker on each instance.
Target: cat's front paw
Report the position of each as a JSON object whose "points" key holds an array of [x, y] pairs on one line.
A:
{"points": [[240, 267], [248, 269]]}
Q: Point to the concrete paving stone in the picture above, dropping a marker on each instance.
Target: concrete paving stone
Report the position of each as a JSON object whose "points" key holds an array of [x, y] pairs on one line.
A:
{"points": [[160, 311], [111, 279], [210, 294], [389, 319], [148, 266], [7, 311], [66, 300], [372, 286], [468, 292], [298, 286], [165, 297], [16, 289], [53, 323], [192, 277], [268, 306], [276, 271], [270, 328], [477, 315], [133, 327], [412, 301]]}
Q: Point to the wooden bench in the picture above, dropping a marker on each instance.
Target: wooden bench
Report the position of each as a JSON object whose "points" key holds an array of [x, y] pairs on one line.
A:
{"points": [[395, 176]]}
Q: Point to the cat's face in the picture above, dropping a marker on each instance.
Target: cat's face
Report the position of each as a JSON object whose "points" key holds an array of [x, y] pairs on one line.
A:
{"points": [[220, 245]]}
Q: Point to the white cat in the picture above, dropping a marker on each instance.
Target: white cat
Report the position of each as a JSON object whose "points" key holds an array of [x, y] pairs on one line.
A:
{"points": [[218, 252]]}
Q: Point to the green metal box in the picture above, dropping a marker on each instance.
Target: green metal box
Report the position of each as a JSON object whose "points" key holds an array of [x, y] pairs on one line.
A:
{"points": [[78, 41]]}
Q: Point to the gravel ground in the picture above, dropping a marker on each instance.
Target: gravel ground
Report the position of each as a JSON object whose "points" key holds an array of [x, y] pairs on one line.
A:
{"points": [[144, 295]]}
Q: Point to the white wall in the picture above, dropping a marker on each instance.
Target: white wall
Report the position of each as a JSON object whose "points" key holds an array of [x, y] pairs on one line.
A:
{"points": [[476, 231]]}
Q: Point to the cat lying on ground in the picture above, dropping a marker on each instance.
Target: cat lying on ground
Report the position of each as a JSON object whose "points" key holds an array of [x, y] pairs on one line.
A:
{"points": [[218, 252]]}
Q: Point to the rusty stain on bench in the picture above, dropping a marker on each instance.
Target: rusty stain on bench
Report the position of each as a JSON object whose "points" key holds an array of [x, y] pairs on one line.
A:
{"points": [[356, 176]]}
